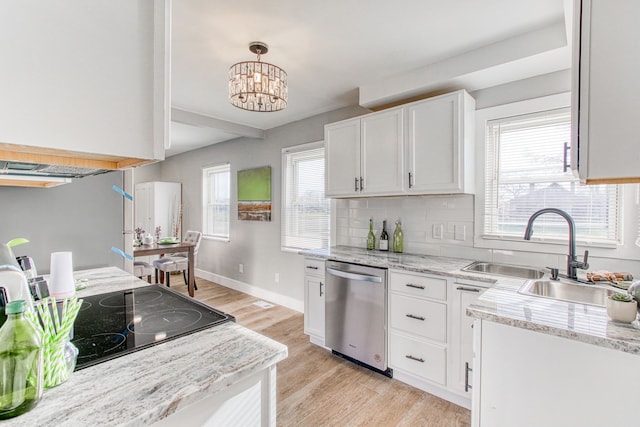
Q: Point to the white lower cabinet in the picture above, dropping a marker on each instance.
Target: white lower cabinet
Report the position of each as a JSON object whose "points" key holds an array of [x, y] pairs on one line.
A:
{"points": [[314, 290], [532, 379], [465, 293], [419, 346], [414, 356]]}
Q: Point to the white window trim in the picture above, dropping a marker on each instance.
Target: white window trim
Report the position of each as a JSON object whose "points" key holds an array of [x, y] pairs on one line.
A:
{"points": [[204, 208], [283, 189], [547, 245]]}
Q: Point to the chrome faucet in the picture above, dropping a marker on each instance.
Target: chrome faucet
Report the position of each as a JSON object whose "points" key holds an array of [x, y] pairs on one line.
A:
{"points": [[572, 263]]}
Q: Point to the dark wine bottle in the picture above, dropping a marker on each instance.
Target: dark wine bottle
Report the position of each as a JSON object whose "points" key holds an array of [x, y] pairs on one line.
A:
{"points": [[384, 237]]}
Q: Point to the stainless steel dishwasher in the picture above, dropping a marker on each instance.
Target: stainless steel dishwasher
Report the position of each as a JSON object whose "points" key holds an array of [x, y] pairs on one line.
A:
{"points": [[356, 314]]}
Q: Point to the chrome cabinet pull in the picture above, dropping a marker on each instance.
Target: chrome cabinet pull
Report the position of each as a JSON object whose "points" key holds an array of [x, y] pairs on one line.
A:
{"points": [[361, 184], [467, 369], [413, 316], [411, 285], [312, 267], [410, 179], [462, 288], [417, 359], [356, 188], [321, 285]]}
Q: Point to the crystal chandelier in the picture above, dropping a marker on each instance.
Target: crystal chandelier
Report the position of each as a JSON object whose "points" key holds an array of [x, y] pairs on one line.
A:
{"points": [[257, 86]]}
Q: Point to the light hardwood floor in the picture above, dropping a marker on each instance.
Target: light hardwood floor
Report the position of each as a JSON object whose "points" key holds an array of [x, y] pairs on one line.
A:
{"points": [[316, 388]]}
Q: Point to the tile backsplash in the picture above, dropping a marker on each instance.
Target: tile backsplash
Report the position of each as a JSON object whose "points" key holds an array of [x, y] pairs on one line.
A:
{"points": [[443, 226], [429, 223]]}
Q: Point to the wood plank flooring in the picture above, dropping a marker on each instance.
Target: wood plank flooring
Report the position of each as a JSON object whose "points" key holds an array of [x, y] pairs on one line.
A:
{"points": [[316, 388]]}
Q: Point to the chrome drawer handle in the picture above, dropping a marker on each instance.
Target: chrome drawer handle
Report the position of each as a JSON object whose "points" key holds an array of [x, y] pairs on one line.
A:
{"points": [[411, 285], [312, 267], [413, 316], [462, 288], [417, 359], [467, 369]]}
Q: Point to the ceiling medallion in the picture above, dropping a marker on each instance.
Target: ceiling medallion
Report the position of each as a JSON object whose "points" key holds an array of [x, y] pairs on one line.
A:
{"points": [[258, 86]]}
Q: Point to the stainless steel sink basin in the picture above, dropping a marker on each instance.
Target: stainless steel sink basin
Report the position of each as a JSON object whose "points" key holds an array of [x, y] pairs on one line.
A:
{"points": [[504, 270], [567, 291]]}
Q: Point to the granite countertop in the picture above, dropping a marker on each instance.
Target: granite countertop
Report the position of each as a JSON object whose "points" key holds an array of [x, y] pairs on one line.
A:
{"points": [[502, 303], [410, 262], [149, 385]]}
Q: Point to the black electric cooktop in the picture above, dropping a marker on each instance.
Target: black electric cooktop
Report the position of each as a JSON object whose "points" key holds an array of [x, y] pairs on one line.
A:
{"points": [[117, 323]]}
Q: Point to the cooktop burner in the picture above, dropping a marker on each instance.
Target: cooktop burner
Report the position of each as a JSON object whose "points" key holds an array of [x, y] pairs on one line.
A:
{"points": [[118, 323]]}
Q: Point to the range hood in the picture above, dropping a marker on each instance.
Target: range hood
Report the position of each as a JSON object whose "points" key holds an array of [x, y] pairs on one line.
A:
{"points": [[41, 167]]}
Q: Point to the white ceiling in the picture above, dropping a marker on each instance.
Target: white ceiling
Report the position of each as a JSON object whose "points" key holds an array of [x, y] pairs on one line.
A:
{"points": [[348, 52]]}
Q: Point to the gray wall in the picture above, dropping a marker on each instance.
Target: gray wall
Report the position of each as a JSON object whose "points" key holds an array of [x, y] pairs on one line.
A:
{"points": [[254, 244], [84, 217]]}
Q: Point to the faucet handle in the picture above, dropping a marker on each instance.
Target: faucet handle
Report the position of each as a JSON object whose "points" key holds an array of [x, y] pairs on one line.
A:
{"points": [[584, 263], [554, 273]]}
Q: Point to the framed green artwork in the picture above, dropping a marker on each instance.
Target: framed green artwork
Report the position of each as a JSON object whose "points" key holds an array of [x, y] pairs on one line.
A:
{"points": [[254, 194]]}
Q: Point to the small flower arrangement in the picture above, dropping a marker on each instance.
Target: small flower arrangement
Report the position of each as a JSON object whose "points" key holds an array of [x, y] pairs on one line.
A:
{"points": [[158, 230], [139, 233]]}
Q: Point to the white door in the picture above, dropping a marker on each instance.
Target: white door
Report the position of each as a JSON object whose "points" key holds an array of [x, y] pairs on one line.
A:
{"points": [[383, 153], [342, 146], [433, 145]]}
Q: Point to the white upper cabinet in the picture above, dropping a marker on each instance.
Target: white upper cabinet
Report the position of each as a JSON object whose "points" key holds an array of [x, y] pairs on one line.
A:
{"points": [[439, 144], [342, 158], [425, 147], [364, 156], [85, 77], [605, 91]]}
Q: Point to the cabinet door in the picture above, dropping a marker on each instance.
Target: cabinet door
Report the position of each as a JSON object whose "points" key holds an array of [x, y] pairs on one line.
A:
{"points": [[605, 66], [314, 306], [383, 153], [434, 145], [342, 145], [462, 337]]}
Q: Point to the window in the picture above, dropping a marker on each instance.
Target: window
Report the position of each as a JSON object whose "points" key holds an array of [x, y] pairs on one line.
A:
{"points": [[216, 189], [525, 172], [305, 210]]}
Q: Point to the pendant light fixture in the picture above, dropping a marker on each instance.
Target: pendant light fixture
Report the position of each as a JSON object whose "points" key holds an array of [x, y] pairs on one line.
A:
{"points": [[256, 85]]}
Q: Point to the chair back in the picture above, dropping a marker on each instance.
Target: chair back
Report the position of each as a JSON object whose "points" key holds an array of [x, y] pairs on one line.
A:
{"points": [[194, 238]]}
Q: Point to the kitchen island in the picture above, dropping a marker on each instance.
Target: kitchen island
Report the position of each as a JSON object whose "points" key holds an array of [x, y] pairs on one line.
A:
{"points": [[225, 374], [543, 361]]}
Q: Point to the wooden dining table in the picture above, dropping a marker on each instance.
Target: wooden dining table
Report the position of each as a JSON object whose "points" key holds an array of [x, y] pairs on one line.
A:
{"points": [[157, 249]]}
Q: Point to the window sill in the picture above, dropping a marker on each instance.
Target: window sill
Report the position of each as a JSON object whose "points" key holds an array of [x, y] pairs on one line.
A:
{"points": [[216, 238], [489, 241]]}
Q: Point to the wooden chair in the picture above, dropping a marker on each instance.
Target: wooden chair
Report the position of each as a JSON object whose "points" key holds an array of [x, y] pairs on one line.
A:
{"points": [[177, 262]]}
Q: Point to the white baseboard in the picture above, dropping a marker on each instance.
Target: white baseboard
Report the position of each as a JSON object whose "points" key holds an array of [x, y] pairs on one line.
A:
{"points": [[252, 290]]}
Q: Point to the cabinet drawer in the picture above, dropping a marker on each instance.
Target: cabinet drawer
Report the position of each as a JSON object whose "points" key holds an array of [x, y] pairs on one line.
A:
{"points": [[418, 358], [419, 285], [420, 317], [313, 267]]}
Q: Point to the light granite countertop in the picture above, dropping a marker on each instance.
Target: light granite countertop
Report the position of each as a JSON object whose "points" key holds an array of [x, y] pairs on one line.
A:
{"points": [[148, 385], [502, 303]]}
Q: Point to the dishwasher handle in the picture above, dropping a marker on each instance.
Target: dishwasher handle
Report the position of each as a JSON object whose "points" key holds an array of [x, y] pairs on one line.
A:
{"points": [[354, 276]]}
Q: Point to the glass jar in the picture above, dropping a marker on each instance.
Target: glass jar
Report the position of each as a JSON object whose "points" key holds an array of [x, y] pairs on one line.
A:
{"points": [[21, 362]]}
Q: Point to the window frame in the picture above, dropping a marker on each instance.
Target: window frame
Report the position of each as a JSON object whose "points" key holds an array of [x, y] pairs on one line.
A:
{"points": [[206, 172], [482, 240], [285, 181]]}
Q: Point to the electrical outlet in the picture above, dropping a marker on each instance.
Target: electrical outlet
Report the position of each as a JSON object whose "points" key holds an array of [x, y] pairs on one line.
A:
{"points": [[240, 268], [437, 231], [459, 232], [277, 278]]}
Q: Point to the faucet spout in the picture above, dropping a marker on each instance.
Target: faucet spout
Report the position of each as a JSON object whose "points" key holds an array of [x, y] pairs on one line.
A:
{"points": [[572, 263]]}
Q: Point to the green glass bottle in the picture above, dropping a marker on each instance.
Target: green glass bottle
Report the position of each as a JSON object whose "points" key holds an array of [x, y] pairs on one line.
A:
{"points": [[371, 238], [21, 361], [398, 244]]}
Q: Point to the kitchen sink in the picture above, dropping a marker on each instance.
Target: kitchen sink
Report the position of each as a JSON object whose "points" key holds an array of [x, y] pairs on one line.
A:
{"points": [[504, 270], [567, 291]]}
